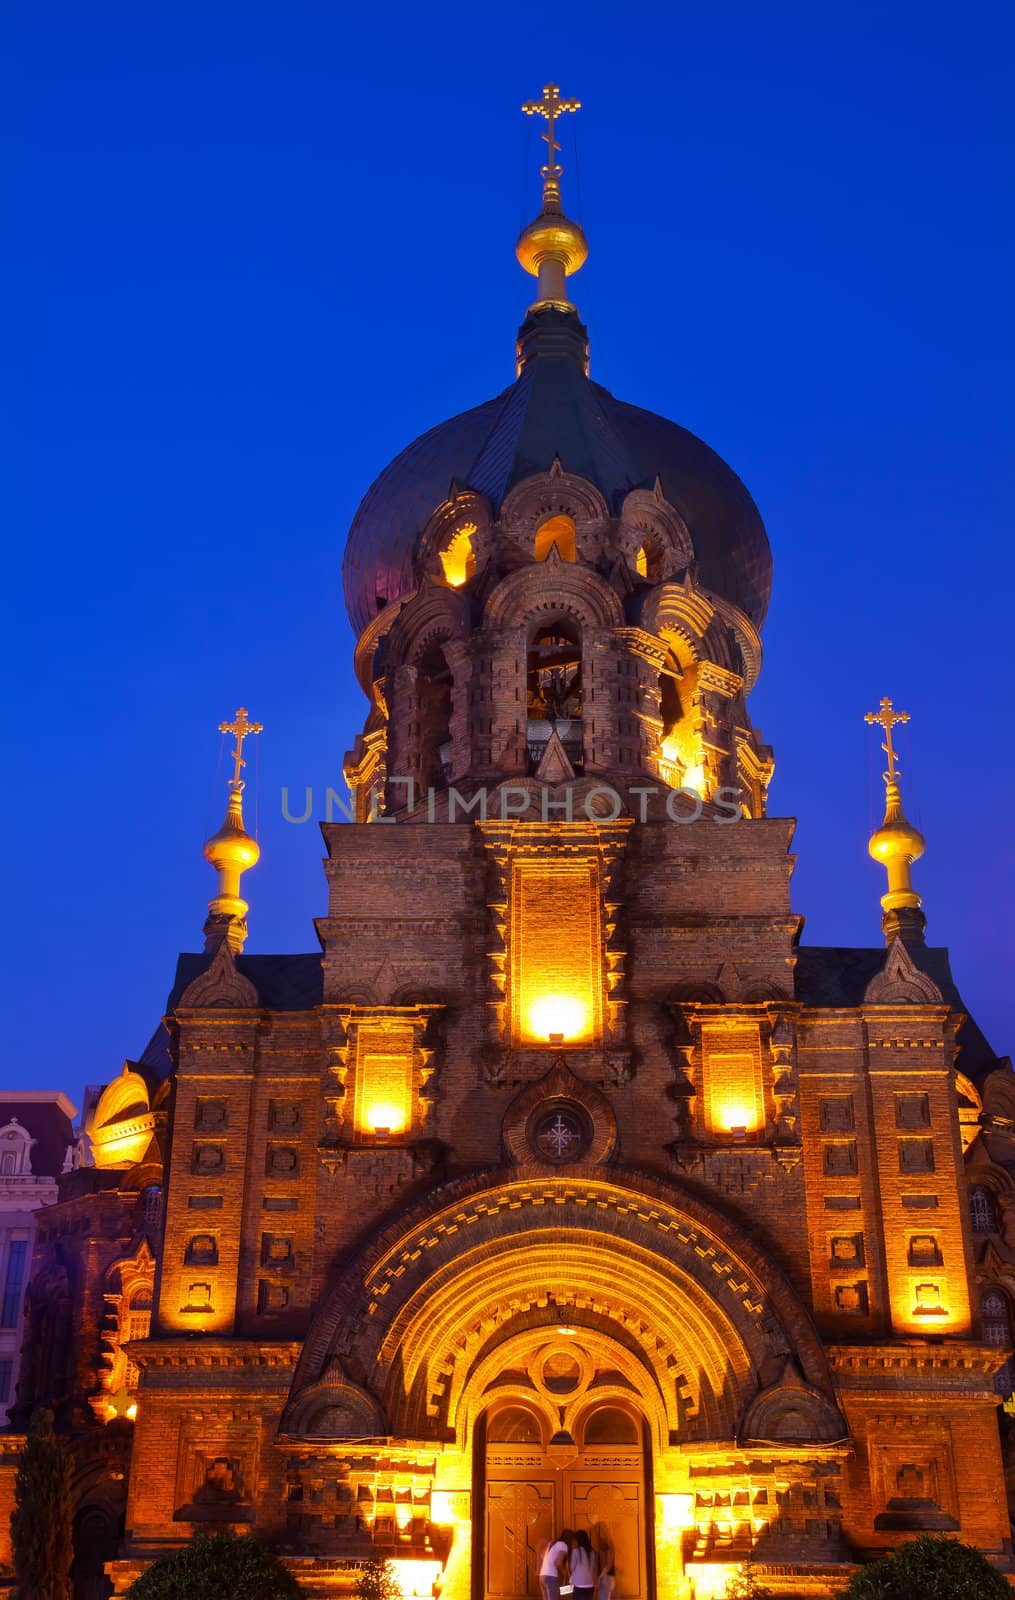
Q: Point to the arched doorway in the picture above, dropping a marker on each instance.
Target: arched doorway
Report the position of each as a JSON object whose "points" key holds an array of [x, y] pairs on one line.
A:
{"points": [[568, 1452]]}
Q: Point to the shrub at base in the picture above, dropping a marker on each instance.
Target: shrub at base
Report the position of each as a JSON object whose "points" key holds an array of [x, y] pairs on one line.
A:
{"points": [[378, 1581], [217, 1566], [745, 1586], [929, 1568], [41, 1525]]}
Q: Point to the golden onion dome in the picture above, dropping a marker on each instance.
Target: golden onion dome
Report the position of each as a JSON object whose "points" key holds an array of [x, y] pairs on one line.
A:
{"points": [[896, 840], [232, 845], [552, 237]]}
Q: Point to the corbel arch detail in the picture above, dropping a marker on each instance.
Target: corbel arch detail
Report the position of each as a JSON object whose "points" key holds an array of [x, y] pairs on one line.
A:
{"points": [[554, 494], [525, 596], [437, 1291]]}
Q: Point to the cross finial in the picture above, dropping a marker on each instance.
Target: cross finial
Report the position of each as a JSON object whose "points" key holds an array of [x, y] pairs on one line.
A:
{"points": [[241, 728], [887, 716], [551, 107]]}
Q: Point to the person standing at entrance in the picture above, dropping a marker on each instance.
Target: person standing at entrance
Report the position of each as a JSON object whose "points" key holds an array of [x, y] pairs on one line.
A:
{"points": [[553, 1569], [583, 1566]]}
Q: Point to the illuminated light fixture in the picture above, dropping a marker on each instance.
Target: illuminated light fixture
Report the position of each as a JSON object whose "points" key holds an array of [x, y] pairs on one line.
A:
{"points": [[132, 1410], [669, 749], [736, 1119], [384, 1120], [558, 1017]]}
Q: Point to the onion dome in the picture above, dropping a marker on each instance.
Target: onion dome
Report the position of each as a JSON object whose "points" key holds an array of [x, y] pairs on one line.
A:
{"points": [[231, 850], [553, 409], [896, 844]]}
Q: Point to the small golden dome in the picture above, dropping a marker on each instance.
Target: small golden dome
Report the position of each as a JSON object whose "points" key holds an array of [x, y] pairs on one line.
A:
{"points": [[552, 237], [896, 840], [232, 845]]}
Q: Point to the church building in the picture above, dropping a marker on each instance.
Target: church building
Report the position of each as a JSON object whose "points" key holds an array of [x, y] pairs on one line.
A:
{"points": [[562, 1185]]}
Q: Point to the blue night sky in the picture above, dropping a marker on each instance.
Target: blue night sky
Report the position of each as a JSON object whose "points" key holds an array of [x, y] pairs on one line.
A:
{"points": [[258, 249]]}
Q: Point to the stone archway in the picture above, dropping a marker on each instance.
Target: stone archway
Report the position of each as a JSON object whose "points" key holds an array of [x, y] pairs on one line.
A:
{"points": [[572, 1450], [445, 1316]]}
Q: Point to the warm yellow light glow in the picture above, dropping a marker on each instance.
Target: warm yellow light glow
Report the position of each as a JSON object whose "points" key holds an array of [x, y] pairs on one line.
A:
{"points": [[670, 749], [694, 778], [677, 1511], [416, 1579], [446, 1508], [641, 563], [734, 1114], [385, 1118], [711, 1577], [558, 1016], [458, 560], [559, 531], [132, 1410]]}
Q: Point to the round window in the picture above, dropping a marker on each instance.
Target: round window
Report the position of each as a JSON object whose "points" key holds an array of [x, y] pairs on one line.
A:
{"points": [[559, 1132]]}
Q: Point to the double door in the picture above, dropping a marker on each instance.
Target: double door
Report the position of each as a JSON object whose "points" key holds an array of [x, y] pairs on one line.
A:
{"points": [[529, 1499]]}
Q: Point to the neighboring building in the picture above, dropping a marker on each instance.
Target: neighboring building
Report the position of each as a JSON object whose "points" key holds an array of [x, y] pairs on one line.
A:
{"points": [[563, 1184], [36, 1134], [90, 1293]]}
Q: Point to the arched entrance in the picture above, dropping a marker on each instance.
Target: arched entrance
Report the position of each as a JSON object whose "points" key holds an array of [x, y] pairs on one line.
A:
{"points": [[535, 1348], [572, 1454]]}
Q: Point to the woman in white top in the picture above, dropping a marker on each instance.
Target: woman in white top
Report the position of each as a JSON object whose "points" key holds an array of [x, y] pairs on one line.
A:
{"points": [[553, 1567], [583, 1566]]}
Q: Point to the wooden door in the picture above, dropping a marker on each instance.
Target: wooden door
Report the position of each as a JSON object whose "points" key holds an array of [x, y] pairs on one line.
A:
{"points": [[528, 1501], [606, 1498], [521, 1511]]}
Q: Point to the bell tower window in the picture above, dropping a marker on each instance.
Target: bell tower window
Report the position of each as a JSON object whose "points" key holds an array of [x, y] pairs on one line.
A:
{"points": [[434, 690], [554, 691], [459, 559], [559, 531]]}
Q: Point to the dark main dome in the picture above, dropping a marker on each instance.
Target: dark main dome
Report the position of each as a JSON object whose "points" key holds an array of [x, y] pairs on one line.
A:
{"points": [[554, 409]]}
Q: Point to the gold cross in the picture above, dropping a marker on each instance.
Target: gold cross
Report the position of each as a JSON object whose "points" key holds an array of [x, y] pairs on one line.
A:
{"points": [[551, 107], [240, 728], [888, 717]]}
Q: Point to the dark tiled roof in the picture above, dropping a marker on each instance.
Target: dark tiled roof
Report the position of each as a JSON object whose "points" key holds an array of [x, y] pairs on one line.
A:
{"points": [[283, 983], [551, 410], [155, 1060], [831, 975]]}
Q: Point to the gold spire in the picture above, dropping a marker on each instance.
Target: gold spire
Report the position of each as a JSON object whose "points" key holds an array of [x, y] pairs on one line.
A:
{"points": [[896, 844], [553, 245], [231, 850]]}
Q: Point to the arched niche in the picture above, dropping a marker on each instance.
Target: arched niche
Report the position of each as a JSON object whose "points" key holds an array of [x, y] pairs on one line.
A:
{"points": [[610, 1424], [556, 532], [514, 1422]]}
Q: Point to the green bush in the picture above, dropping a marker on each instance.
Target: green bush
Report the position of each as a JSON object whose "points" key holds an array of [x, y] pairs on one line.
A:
{"points": [[929, 1568], [217, 1566], [745, 1586], [41, 1524], [377, 1581]]}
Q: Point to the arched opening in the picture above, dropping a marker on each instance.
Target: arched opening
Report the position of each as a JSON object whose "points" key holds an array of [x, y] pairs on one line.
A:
{"points": [[995, 1312], [559, 531], [554, 691], [459, 559], [670, 711], [514, 1424], [433, 688], [610, 1425], [982, 1209], [648, 561], [541, 1467]]}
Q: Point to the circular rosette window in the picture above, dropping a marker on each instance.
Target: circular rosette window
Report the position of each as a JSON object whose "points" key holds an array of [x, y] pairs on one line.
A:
{"points": [[559, 1132]]}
